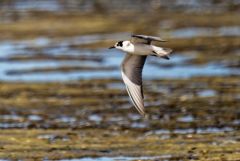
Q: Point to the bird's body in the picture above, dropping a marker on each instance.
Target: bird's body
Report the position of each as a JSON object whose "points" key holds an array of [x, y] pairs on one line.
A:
{"points": [[137, 48], [133, 63]]}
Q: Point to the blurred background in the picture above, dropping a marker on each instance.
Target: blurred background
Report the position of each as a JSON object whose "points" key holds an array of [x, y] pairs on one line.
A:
{"points": [[61, 90]]}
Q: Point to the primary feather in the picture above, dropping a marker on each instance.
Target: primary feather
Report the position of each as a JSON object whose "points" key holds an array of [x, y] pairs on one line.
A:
{"points": [[132, 76], [148, 39]]}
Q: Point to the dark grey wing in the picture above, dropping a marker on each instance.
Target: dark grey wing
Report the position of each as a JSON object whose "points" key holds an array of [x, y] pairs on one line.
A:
{"points": [[132, 67], [148, 39]]}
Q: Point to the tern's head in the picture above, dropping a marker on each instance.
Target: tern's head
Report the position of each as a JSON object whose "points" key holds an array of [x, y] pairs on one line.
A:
{"points": [[121, 45]]}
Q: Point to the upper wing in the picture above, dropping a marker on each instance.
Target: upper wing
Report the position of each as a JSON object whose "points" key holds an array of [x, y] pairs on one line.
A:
{"points": [[132, 76], [147, 39]]}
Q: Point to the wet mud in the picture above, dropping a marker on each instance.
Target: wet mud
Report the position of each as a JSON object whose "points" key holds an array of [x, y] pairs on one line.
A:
{"points": [[57, 120]]}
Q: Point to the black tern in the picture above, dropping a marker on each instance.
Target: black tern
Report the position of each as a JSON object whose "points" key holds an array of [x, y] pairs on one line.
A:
{"points": [[137, 50]]}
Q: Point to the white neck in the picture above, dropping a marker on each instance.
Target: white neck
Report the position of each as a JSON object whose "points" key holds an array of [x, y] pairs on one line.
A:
{"points": [[129, 48]]}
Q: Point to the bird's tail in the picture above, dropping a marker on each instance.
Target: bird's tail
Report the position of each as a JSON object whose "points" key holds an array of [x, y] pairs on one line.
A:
{"points": [[162, 52]]}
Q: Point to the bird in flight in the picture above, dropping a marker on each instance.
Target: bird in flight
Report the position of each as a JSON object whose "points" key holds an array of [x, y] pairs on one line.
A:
{"points": [[137, 50]]}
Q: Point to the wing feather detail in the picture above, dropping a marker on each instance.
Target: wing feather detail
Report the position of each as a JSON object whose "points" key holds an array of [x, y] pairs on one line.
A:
{"points": [[132, 76], [145, 39]]}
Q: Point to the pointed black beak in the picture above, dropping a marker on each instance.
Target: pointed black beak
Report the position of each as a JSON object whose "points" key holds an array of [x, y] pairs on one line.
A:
{"points": [[111, 47]]}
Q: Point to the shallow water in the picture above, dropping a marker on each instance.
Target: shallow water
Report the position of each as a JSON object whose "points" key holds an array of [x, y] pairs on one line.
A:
{"points": [[207, 130], [207, 93], [191, 32], [121, 158], [175, 68], [57, 5], [176, 72]]}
